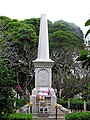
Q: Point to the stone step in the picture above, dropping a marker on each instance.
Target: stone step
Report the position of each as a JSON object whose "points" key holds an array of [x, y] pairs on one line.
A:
{"points": [[51, 112], [48, 118], [48, 115]]}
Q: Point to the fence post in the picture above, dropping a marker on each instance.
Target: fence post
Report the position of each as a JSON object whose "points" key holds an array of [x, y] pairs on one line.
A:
{"points": [[84, 105], [68, 105], [30, 104], [56, 107]]}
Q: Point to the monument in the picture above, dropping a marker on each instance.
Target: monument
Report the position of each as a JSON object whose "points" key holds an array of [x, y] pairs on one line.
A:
{"points": [[43, 90]]}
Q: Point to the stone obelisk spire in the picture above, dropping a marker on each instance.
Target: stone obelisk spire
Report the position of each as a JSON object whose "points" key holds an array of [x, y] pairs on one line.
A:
{"points": [[43, 47]]}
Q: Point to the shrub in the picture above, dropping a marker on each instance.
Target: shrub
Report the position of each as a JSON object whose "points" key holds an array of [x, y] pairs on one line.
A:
{"points": [[78, 116], [63, 102], [19, 103], [18, 116], [76, 104]]}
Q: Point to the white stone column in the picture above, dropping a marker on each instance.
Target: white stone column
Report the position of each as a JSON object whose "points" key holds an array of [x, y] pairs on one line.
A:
{"points": [[43, 47]]}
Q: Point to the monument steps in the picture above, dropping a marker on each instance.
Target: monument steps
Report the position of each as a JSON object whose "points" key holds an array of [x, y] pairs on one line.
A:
{"points": [[47, 115], [48, 118], [51, 115], [35, 109]]}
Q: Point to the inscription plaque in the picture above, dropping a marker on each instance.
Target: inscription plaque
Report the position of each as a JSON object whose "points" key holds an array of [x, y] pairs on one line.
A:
{"points": [[43, 77]]}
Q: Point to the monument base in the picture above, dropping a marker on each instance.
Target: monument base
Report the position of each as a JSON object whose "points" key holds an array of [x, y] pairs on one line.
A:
{"points": [[43, 94]]}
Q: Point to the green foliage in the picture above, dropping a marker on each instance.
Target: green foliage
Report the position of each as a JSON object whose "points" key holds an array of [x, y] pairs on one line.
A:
{"points": [[87, 33], [78, 116], [6, 89], [19, 43], [20, 103], [83, 55], [19, 47], [75, 101], [75, 104], [5, 20], [19, 116], [83, 52], [85, 58], [63, 102], [87, 24], [19, 32], [65, 36], [62, 35], [35, 22]]}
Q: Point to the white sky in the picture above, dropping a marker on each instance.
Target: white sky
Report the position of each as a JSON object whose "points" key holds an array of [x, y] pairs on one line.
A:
{"points": [[75, 11]]}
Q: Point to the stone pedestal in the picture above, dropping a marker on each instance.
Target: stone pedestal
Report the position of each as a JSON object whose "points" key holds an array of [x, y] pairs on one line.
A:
{"points": [[52, 97]]}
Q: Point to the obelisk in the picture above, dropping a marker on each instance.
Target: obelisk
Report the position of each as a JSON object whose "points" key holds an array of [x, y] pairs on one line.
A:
{"points": [[43, 64], [43, 47]]}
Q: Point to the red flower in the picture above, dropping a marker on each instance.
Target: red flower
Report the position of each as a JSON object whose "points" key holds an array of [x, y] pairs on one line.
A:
{"points": [[17, 87], [5, 88]]}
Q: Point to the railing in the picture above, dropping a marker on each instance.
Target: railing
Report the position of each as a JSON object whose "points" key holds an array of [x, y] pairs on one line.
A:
{"points": [[24, 109], [63, 109]]}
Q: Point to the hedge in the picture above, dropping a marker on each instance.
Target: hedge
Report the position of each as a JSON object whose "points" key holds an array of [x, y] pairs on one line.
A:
{"points": [[18, 116], [78, 116], [75, 104], [63, 102]]}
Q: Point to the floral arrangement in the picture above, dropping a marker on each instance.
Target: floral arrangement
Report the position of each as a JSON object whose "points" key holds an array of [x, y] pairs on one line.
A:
{"points": [[43, 92]]}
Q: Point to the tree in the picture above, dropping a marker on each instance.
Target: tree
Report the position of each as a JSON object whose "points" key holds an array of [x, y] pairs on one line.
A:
{"points": [[19, 44], [7, 84], [35, 22], [84, 58], [65, 35]]}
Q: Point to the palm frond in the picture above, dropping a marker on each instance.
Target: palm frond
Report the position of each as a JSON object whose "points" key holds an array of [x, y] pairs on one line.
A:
{"points": [[87, 33], [87, 23]]}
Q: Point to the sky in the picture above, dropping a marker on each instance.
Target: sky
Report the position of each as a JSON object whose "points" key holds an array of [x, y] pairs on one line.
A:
{"points": [[74, 11]]}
